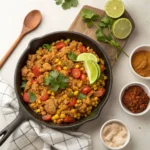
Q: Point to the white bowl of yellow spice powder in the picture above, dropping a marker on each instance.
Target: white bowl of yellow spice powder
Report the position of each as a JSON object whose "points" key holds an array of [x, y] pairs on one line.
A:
{"points": [[140, 61], [114, 134]]}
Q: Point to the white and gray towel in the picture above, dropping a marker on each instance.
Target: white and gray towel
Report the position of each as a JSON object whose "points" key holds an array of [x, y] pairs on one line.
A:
{"points": [[32, 136]]}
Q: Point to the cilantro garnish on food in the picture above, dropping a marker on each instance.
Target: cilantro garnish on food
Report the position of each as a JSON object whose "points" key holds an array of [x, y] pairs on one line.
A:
{"points": [[23, 85], [91, 18], [72, 56], [47, 46], [67, 4], [81, 96], [56, 81], [32, 97]]}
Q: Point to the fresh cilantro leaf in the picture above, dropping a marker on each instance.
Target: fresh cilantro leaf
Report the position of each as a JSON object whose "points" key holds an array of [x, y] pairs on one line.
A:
{"points": [[87, 14], [23, 85], [58, 2], [81, 96], [56, 80], [105, 20], [54, 74], [102, 25], [89, 24], [47, 46], [72, 56], [67, 4], [47, 80], [100, 36], [54, 87], [32, 97], [109, 37]]}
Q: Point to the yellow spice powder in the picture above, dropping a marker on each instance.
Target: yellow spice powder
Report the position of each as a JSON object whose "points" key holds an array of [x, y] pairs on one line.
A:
{"points": [[141, 63]]}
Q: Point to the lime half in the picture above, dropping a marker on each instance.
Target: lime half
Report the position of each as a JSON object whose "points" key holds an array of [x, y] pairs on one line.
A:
{"points": [[87, 56], [114, 8], [91, 70], [122, 28]]}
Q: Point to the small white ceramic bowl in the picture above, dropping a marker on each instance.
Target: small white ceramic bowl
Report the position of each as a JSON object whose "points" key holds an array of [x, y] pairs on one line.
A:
{"points": [[146, 89], [120, 122], [145, 47]]}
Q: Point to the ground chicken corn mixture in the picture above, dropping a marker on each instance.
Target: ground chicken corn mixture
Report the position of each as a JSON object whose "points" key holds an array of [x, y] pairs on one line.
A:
{"points": [[57, 87]]}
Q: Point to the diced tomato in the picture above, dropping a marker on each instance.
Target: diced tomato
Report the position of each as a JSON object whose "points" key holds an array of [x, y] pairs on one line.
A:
{"points": [[60, 45], [100, 92], [68, 119], [58, 68], [102, 67], [44, 97], [86, 90], [36, 71], [26, 97], [68, 71], [76, 73], [47, 117], [83, 77], [72, 102], [82, 49]]}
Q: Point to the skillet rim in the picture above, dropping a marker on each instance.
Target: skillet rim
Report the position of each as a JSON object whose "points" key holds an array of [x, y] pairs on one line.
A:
{"points": [[29, 115]]}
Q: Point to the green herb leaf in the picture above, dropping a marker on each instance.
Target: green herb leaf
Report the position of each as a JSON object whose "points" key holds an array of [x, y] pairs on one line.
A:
{"points": [[102, 25], [105, 20], [89, 24], [47, 46], [23, 85], [54, 74], [81, 96], [72, 56], [67, 4], [58, 2], [56, 81], [100, 36], [32, 97]]}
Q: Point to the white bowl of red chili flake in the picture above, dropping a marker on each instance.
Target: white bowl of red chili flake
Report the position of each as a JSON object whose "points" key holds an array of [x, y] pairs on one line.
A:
{"points": [[135, 99]]}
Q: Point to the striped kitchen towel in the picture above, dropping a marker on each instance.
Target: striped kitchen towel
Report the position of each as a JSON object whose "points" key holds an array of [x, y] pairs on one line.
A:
{"points": [[32, 136]]}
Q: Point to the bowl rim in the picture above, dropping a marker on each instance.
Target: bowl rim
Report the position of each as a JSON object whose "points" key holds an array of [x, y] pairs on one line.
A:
{"points": [[138, 48], [122, 105], [122, 123]]}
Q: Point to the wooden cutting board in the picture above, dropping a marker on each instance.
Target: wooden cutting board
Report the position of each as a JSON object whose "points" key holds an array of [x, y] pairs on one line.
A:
{"points": [[79, 26]]}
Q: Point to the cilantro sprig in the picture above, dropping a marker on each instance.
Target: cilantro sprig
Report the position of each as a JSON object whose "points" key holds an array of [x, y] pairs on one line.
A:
{"points": [[91, 18], [47, 46], [72, 56], [32, 97], [23, 85], [56, 80], [67, 4], [81, 96]]}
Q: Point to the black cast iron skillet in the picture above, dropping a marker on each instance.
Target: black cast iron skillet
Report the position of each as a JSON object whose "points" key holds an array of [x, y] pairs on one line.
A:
{"points": [[25, 113]]}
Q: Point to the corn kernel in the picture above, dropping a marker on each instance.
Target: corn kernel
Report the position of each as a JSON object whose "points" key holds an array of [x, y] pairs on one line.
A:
{"points": [[49, 92], [32, 105], [54, 121], [76, 93], [76, 105], [56, 116], [37, 111], [72, 110], [62, 116], [105, 77], [56, 60], [78, 114], [95, 88], [95, 98], [59, 63], [81, 68], [65, 68], [53, 44], [77, 66], [52, 93], [78, 101], [39, 101], [75, 116], [52, 97]]}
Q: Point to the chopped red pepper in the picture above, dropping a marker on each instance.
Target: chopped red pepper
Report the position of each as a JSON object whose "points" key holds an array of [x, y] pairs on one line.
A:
{"points": [[44, 97], [72, 102], [69, 119], [60, 45], [36, 71], [47, 117]]}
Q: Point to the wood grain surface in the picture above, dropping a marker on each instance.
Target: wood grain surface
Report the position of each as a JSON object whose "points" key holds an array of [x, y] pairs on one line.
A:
{"points": [[79, 25]]}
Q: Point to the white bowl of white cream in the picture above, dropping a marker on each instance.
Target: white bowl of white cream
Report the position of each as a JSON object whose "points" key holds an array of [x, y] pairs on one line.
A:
{"points": [[114, 134]]}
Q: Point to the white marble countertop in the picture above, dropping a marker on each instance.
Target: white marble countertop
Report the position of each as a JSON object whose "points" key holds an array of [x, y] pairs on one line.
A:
{"points": [[54, 18]]}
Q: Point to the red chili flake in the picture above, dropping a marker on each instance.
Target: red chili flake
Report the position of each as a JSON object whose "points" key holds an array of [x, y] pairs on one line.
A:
{"points": [[135, 99]]}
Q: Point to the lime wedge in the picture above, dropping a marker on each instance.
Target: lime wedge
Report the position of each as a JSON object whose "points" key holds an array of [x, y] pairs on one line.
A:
{"points": [[122, 28], [98, 68], [91, 70], [87, 56], [114, 8]]}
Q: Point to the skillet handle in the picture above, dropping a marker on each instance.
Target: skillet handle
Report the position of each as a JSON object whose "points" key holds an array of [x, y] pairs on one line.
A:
{"points": [[7, 131]]}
